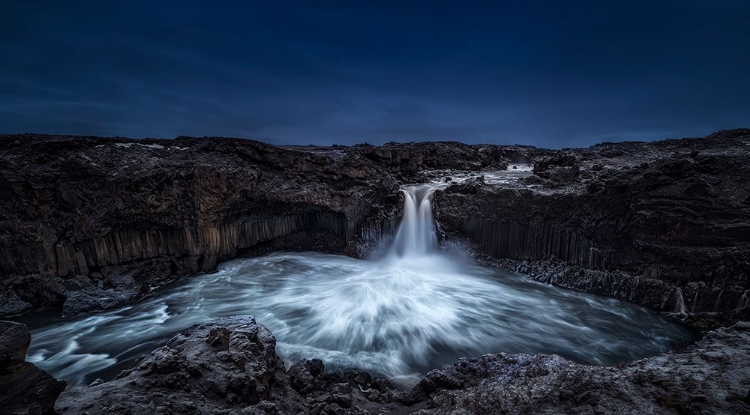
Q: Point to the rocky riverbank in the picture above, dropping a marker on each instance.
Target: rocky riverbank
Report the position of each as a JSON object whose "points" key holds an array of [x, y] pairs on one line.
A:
{"points": [[230, 366]]}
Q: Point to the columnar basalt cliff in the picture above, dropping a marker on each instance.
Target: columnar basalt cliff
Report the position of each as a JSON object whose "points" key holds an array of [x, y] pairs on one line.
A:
{"points": [[92, 223], [664, 224], [129, 215]]}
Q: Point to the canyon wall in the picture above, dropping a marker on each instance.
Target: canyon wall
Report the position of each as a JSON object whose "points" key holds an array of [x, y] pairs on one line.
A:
{"points": [[91, 223], [664, 224], [149, 211], [85, 218]]}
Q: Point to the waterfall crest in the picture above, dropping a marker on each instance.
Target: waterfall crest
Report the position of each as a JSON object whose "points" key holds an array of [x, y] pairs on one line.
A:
{"points": [[416, 235]]}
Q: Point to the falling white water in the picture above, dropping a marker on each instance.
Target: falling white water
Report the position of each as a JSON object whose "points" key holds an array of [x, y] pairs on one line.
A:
{"points": [[402, 315], [680, 307], [416, 235], [744, 300]]}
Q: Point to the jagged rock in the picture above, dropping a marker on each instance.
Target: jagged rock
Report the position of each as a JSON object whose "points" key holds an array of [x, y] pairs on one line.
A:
{"points": [[563, 167], [24, 388], [14, 341], [227, 365], [83, 296], [12, 304]]}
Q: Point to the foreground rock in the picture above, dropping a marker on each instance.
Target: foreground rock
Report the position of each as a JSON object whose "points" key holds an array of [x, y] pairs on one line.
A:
{"points": [[230, 366], [711, 377], [24, 388], [227, 365]]}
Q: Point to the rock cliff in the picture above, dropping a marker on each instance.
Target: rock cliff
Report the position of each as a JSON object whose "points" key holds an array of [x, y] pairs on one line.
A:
{"points": [[663, 224], [87, 217], [89, 223]]}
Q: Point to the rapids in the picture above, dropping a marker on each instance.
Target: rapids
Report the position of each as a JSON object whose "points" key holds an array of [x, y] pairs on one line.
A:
{"points": [[415, 308]]}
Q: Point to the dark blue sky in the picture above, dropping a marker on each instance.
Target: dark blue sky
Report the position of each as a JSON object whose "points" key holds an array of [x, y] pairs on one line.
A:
{"points": [[546, 73]]}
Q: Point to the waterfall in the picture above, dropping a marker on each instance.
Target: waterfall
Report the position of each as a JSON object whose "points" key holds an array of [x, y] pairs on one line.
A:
{"points": [[416, 234], [744, 300], [680, 306]]}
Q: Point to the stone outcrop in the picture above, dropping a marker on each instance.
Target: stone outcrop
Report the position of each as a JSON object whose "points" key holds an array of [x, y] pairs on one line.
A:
{"points": [[230, 366], [661, 224], [24, 388]]}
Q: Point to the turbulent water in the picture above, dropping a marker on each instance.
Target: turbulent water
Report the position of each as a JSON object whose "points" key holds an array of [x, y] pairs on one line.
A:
{"points": [[414, 309]]}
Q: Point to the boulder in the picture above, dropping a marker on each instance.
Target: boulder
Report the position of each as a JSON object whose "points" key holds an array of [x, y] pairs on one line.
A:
{"points": [[24, 388]]}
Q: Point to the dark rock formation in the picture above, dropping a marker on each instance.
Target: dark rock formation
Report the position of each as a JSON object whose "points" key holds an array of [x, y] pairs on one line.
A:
{"points": [[227, 365], [411, 158], [653, 223], [710, 377], [230, 366], [129, 215], [90, 224], [24, 388], [96, 223]]}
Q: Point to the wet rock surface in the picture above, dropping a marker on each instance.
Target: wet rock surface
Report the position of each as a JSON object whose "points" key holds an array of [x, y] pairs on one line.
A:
{"points": [[230, 366], [24, 388]]}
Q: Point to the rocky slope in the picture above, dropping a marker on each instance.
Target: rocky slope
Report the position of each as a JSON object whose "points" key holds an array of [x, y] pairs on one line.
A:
{"points": [[230, 366], [226, 366]]}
